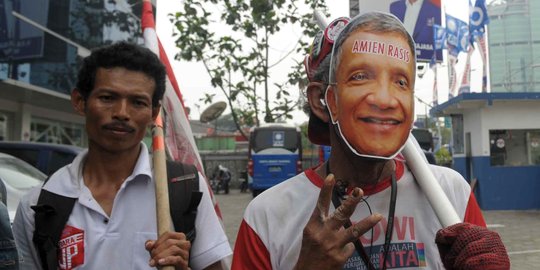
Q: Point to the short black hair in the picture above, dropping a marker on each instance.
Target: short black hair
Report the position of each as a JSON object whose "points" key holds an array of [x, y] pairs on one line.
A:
{"points": [[125, 55]]}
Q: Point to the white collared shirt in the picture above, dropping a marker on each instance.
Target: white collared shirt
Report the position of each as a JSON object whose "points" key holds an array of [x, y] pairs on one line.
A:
{"points": [[94, 240], [411, 14]]}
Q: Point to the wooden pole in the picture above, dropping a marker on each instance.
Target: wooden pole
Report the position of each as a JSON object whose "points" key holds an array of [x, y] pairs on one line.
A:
{"points": [[163, 212]]}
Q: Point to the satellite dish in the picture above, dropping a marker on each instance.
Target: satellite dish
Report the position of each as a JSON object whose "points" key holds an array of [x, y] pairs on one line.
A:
{"points": [[213, 112]]}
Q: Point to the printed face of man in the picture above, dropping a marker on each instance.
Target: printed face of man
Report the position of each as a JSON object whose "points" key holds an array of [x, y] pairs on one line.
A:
{"points": [[373, 97], [119, 109]]}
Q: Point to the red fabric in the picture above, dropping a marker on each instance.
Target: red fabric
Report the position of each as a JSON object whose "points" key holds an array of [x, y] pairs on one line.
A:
{"points": [[465, 246], [473, 214], [249, 251], [369, 190], [178, 129]]}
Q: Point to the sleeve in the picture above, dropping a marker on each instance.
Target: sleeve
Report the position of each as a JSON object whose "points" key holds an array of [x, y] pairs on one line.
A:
{"points": [[211, 243], [249, 250], [473, 214], [23, 229]]}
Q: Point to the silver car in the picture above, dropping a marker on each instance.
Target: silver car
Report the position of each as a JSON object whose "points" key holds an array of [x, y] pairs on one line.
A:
{"points": [[16, 178]]}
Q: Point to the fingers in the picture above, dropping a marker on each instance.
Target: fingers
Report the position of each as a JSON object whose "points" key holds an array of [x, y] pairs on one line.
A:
{"points": [[177, 261], [360, 228], [171, 248], [325, 197], [345, 210], [149, 244]]}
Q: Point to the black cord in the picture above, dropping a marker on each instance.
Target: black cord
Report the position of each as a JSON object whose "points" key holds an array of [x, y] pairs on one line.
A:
{"points": [[390, 223], [338, 193], [372, 231]]}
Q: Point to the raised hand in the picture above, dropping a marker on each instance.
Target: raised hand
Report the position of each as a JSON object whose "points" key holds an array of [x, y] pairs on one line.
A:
{"points": [[326, 244]]}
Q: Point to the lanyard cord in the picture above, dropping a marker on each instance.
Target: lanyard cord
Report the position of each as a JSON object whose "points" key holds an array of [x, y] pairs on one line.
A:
{"points": [[338, 193]]}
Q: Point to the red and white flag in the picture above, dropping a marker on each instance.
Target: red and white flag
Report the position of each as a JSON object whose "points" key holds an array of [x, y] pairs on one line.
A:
{"points": [[179, 141], [466, 79]]}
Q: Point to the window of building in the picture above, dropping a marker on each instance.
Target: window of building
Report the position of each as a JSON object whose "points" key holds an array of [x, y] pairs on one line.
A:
{"points": [[514, 147], [45, 130], [457, 134], [4, 126]]}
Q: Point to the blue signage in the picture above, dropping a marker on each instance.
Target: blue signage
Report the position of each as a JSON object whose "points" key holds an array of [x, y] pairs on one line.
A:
{"points": [[20, 40]]}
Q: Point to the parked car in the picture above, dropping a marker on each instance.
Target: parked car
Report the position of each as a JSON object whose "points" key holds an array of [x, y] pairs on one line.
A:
{"points": [[16, 178], [47, 157]]}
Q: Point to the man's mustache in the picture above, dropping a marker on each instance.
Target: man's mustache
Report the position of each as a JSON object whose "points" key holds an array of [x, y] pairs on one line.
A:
{"points": [[119, 126]]}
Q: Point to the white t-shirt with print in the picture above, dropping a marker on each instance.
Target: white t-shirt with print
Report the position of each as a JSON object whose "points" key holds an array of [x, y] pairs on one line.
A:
{"points": [[270, 235]]}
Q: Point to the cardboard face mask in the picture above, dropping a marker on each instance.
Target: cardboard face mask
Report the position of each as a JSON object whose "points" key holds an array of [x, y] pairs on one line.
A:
{"points": [[382, 48], [371, 100]]}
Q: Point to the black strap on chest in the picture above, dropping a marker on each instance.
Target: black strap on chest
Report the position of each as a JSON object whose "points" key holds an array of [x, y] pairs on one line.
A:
{"points": [[52, 211], [51, 215], [184, 197]]}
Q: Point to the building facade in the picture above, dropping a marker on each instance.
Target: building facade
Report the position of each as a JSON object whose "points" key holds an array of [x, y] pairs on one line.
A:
{"points": [[514, 45], [41, 45], [496, 143]]}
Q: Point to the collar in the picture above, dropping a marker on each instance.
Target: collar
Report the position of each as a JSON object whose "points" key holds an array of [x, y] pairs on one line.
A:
{"points": [[68, 181], [369, 190]]}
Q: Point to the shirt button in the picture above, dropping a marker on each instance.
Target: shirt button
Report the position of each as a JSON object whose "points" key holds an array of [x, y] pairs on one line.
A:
{"points": [[106, 220]]}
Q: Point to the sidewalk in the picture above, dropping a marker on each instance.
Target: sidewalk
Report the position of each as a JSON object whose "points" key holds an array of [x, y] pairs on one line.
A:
{"points": [[520, 232]]}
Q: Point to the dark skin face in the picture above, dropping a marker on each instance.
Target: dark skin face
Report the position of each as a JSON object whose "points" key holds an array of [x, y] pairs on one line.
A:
{"points": [[118, 110]]}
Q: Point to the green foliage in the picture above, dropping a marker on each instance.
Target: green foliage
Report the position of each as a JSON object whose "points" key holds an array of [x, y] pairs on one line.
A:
{"points": [[238, 60], [443, 157]]}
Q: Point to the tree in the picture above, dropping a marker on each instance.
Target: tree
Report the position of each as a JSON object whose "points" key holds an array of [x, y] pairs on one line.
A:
{"points": [[238, 61]]}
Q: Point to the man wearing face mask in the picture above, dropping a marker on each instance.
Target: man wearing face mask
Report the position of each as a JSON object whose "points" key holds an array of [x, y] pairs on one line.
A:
{"points": [[363, 209]]}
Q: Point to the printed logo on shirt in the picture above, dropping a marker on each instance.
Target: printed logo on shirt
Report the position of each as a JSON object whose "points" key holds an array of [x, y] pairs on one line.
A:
{"points": [[403, 251], [400, 255], [71, 252]]}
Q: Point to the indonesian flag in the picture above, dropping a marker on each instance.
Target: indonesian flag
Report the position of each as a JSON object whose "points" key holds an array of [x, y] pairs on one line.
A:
{"points": [[179, 141]]}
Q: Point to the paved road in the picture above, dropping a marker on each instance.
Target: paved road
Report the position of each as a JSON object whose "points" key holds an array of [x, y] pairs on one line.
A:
{"points": [[520, 230], [232, 207]]}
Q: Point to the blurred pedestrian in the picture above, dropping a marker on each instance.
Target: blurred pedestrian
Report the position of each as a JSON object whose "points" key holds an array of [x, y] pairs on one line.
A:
{"points": [[224, 178]]}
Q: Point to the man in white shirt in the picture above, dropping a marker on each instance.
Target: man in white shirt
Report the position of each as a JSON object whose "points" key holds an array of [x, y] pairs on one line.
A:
{"points": [[113, 222]]}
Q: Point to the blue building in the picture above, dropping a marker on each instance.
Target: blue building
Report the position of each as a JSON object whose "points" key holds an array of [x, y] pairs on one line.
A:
{"points": [[496, 140]]}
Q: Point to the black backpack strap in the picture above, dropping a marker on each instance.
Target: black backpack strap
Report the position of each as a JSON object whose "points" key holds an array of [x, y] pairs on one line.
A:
{"points": [[184, 197], [51, 215]]}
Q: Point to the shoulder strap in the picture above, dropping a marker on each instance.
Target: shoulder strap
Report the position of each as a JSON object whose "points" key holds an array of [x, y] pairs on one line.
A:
{"points": [[51, 215], [52, 211], [184, 197]]}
